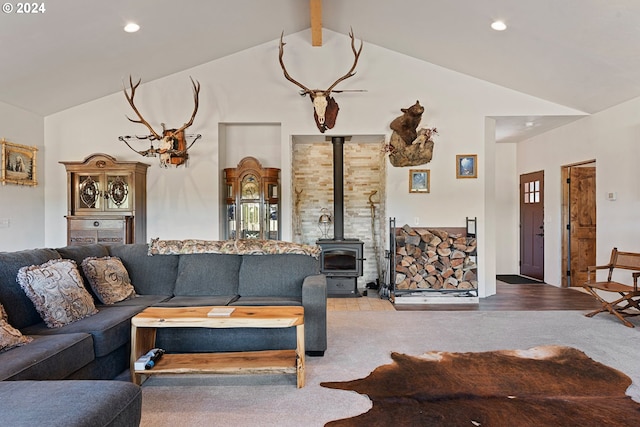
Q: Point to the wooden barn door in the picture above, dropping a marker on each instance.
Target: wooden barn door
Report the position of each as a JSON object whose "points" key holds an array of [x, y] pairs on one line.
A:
{"points": [[532, 225]]}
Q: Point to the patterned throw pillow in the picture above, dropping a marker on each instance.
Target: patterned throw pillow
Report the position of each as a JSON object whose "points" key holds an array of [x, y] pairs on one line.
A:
{"points": [[108, 278], [55, 289], [9, 336]]}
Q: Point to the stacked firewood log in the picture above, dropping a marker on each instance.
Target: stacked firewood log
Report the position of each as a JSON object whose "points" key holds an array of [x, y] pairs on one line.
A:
{"points": [[429, 258]]}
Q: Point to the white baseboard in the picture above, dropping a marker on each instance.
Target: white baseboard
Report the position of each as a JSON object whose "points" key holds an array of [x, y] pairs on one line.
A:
{"points": [[435, 299]]}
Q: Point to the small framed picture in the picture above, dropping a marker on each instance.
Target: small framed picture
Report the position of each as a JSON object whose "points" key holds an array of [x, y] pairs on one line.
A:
{"points": [[467, 166], [419, 180], [18, 164]]}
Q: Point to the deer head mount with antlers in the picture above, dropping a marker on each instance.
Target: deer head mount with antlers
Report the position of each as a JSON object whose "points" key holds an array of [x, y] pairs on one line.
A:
{"points": [[172, 148], [324, 106]]}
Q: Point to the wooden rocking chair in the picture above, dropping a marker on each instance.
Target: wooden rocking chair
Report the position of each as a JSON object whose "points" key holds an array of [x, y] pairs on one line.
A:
{"points": [[629, 301]]}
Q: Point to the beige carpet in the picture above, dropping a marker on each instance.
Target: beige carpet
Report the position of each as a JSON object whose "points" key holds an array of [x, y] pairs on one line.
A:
{"points": [[360, 341]]}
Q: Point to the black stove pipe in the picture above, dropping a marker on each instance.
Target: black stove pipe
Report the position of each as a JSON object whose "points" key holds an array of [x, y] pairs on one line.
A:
{"points": [[338, 187]]}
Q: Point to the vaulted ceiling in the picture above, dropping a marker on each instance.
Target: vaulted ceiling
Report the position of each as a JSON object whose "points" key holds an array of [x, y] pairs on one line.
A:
{"points": [[584, 54]]}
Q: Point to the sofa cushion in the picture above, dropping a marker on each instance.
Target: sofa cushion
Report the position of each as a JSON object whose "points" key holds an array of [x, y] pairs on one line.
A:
{"points": [[18, 306], [47, 357], [150, 275], [70, 403], [110, 327], [113, 366], [57, 292], [9, 336], [275, 247], [197, 301], [108, 278], [275, 275], [207, 274], [79, 252], [141, 301], [262, 301]]}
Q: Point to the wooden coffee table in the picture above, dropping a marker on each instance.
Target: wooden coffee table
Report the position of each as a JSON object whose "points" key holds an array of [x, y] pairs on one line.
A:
{"points": [[145, 324]]}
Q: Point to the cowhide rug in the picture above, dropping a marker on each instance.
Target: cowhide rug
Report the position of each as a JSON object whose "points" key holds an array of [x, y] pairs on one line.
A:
{"points": [[542, 386]]}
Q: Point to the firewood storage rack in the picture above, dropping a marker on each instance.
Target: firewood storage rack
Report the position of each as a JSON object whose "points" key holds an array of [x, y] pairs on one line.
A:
{"points": [[426, 292]]}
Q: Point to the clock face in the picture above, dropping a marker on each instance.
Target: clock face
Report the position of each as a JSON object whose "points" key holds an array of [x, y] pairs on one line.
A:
{"points": [[250, 188], [89, 192]]}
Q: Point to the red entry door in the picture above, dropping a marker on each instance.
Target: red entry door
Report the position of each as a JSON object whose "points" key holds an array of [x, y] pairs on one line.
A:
{"points": [[532, 225]]}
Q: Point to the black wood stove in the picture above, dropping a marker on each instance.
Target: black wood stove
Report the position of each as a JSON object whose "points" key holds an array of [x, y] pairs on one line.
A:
{"points": [[341, 259]]}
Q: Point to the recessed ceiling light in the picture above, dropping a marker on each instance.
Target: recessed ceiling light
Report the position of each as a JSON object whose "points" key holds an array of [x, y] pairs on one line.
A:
{"points": [[131, 27], [499, 26]]}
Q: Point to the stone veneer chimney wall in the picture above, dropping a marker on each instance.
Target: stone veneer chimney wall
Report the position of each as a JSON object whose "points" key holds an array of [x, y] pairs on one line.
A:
{"points": [[364, 172]]}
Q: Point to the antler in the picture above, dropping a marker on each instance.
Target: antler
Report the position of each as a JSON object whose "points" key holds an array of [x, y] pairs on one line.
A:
{"points": [[130, 99], [305, 90], [196, 96], [351, 71]]}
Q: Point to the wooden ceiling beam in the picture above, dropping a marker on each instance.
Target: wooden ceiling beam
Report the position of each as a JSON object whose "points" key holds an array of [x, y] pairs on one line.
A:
{"points": [[315, 7]]}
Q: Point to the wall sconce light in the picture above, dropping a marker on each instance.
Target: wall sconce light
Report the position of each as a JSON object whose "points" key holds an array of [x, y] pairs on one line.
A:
{"points": [[324, 222]]}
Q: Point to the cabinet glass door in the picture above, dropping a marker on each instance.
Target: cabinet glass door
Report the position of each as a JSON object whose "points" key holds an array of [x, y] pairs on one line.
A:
{"points": [[271, 230], [231, 220], [89, 192], [250, 220], [272, 212], [117, 196], [250, 207]]}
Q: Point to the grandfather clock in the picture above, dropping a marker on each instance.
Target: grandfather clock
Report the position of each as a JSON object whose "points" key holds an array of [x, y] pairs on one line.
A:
{"points": [[106, 201], [252, 201]]}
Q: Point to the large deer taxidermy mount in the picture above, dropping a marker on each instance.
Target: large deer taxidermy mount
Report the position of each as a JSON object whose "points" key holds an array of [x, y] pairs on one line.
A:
{"points": [[172, 146], [324, 106]]}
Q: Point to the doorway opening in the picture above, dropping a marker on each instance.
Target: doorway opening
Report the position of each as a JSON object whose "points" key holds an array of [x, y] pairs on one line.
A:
{"points": [[579, 221]]}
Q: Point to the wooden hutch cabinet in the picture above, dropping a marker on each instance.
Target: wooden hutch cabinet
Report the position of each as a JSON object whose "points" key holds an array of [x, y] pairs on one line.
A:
{"points": [[252, 201], [106, 201]]}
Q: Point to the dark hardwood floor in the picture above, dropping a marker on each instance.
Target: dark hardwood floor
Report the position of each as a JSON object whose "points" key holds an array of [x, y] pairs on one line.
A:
{"points": [[520, 297]]}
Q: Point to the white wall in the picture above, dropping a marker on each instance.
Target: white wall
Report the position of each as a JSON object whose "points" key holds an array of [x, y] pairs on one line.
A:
{"points": [[248, 87], [611, 138], [23, 206], [260, 140], [507, 210]]}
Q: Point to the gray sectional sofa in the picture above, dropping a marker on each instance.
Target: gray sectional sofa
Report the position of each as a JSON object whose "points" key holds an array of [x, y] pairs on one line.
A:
{"points": [[96, 348]]}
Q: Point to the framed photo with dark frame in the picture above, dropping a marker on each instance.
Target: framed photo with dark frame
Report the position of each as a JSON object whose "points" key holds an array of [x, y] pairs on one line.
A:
{"points": [[419, 180], [467, 166], [18, 164]]}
